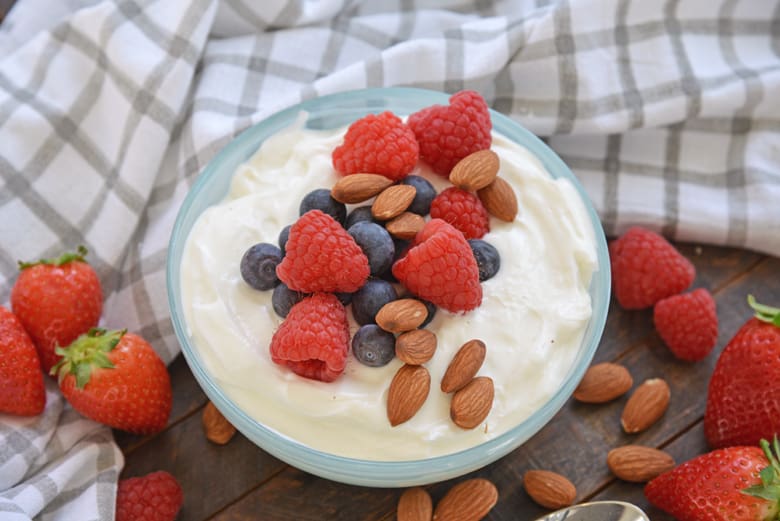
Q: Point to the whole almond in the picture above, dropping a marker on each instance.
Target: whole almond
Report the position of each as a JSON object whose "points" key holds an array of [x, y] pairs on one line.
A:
{"points": [[408, 391], [646, 405], [471, 404], [464, 366], [469, 500], [638, 464], [356, 188], [393, 201], [398, 316], [415, 347], [549, 489], [499, 199], [475, 171], [415, 505], [405, 226], [217, 428], [603, 382]]}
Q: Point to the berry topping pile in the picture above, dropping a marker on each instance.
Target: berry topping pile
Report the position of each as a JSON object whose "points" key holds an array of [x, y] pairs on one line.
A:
{"points": [[383, 244]]}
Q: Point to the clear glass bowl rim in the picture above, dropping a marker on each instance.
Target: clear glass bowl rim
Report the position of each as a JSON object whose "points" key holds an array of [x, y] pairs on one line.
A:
{"points": [[402, 100]]}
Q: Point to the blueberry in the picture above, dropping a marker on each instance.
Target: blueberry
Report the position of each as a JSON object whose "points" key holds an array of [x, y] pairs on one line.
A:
{"points": [[488, 259], [431, 307], [373, 346], [320, 199], [376, 243], [258, 266], [283, 236], [283, 299], [421, 204], [361, 213], [344, 298], [401, 246], [369, 299]]}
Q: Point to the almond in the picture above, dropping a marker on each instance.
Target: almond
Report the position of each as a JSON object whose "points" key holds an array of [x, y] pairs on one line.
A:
{"points": [[356, 188], [471, 404], [638, 464], [405, 226], [415, 347], [218, 430], [603, 382], [499, 199], [393, 201], [415, 505], [407, 393], [475, 171], [549, 489], [469, 500], [464, 366], [646, 405], [398, 316]]}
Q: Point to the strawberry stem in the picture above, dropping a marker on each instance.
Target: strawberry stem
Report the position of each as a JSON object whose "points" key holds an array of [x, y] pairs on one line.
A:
{"points": [[65, 258], [765, 313], [769, 488], [86, 353]]}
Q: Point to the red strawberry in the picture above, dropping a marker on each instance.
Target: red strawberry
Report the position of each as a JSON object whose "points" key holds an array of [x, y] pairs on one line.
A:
{"points": [[154, 497], [646, 268], [688, 324], [313, 341], [463, 210], [57, 300], [441, 268], [321, 256], [377, 144], [743, 399], [21, 381], [447, 134], [116, 378], [732, 484]]}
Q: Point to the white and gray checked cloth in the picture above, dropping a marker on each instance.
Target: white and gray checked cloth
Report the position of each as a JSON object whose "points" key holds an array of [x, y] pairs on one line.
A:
{"points": [[667, 111]]}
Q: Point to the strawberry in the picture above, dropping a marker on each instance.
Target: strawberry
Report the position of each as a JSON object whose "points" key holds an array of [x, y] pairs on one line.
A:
{"points": [[56, 300], [21, 381], [732, 484], [116, 378], [743, 398], [153, 497]]}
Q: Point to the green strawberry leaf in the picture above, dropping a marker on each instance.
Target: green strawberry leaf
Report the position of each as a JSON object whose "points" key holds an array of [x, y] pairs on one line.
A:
{"points": [[769, 488], [65, 258], [763, 312], [88, 352]]}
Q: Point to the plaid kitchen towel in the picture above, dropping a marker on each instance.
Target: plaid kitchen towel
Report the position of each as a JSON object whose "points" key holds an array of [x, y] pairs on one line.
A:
{"points": [[667, 111]]}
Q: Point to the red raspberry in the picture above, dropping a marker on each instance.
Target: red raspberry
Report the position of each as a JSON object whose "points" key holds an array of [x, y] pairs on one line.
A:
{"points": [[56, 300], [322, 256], [646, 268], [447, 134], [377, 144], [153, 497], [463, 210], [441, 268], [688, 324], [313, 341]]}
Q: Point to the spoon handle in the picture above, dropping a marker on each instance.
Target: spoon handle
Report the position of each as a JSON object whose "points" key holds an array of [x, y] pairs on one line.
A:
{"points": [[598, 510]]}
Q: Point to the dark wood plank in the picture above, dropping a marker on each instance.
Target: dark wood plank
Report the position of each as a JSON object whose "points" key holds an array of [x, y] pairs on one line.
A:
{"points": [[212, 476]]}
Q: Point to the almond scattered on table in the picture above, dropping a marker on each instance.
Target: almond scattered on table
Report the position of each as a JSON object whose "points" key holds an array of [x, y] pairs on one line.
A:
{"points": [[470, 500], [216, 427], [408, 391], [603, 382], [357, 188], [399, 316], [464, 365], [393, 201], [415, 504], [415, 347], [549, 489], [475, 171], [472, 403], [638, 464], [646, 405]]}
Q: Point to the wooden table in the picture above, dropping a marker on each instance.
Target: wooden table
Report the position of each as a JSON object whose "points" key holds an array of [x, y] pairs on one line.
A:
{"points": [[240, 481]]}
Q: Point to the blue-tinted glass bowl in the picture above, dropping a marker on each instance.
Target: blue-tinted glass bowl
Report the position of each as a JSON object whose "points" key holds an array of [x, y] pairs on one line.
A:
{"points": [[336, 111]]}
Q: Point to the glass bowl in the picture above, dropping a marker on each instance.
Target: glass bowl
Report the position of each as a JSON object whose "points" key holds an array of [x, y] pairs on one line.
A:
{"points": [[334, 111]]}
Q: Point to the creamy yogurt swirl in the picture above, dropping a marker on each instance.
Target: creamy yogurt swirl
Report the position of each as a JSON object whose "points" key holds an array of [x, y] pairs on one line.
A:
{"points": [[533, 316]]}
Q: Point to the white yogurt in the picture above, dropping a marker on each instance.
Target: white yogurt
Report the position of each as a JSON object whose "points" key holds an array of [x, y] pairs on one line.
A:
{"points": [[532, 319]]}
